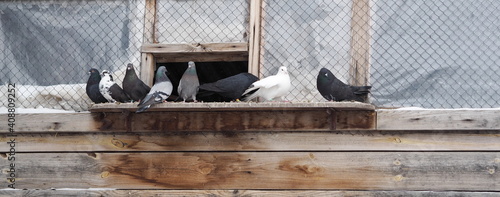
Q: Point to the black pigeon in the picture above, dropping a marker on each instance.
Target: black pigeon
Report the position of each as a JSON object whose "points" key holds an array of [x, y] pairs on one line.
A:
{"points": [[133, 86], [160, 91], [92, 88], [335, 90], [110, 90], [231, 87]]}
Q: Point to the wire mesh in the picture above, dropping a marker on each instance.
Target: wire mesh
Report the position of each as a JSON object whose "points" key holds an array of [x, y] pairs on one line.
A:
{"points": [[48, 48], [433, 54]]}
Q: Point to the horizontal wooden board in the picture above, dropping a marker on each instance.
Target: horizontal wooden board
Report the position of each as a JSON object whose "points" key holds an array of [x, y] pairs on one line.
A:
{"points": [[442, 171], [235, 193], [200, 57], [51, 122], [235, 106], [201, 117], [195, 47], [438, 119], [256, 141]]}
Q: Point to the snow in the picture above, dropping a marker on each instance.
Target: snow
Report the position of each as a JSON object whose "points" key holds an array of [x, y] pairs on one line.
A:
{"points": [[71, 97], [443, 109], [3, 110]]}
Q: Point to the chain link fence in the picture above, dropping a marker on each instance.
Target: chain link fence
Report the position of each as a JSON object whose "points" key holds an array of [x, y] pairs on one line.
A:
{"points": [[432, 54]]}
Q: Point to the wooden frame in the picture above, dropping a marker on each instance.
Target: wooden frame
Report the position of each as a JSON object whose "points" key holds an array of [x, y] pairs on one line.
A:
{"points": [[153, 52]]}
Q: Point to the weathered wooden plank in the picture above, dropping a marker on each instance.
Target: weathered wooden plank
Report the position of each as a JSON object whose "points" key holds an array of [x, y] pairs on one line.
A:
{"points": [[312, 120], [464, 171], [236, 192], [359, 51], [235, 106], [195, 48], [255, 37], [256, 141], [356, 119], [149, 35], [201, 117], [201, 57], [438, 119], [148, 67], [52, 122]]}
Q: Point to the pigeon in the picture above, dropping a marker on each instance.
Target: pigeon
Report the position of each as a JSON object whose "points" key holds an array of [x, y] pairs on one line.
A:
{"points": [[270, 87], [160, 91], [332, 89], [231, 87], [133, 86], [92, 88], [110, 90], [188, 85]]}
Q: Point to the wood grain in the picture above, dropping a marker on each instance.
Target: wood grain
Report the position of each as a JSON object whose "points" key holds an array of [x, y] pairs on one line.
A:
{"points": [[202, 117], [150, 20], [256, 141], [438, 119], [359, 69], [245, 193], [255, 36], [194, 48], [442, 171], [236, 106]]}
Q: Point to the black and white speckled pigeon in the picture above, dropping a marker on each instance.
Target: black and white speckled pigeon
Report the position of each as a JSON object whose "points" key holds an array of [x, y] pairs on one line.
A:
{"points": [[92, 88], [134, 87], [231, 87], [269, 88], [332, 89], [189, 83], [160, 91], [110, 90]]}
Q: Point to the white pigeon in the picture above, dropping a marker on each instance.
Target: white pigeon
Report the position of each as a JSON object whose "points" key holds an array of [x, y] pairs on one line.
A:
{"points": [[160, 91], [110, 90], [104, 85], [269, 88]]}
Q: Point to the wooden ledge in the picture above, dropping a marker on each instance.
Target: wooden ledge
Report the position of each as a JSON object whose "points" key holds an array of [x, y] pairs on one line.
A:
{"points": [[236, 116], [236, 106]]}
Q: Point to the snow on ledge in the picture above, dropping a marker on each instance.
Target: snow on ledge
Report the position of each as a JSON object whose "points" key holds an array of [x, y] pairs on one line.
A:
{"points": [[3, 110], [437, 109]]}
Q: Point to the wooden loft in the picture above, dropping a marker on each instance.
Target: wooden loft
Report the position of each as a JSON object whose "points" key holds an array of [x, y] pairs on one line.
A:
{"points": [[153, 52]]}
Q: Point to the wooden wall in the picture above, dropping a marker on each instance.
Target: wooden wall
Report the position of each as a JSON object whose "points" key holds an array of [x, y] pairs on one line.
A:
{"points": [[323, 152]]}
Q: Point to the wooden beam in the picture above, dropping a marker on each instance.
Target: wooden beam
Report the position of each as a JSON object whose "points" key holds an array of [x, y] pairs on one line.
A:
{"points": [[194, 48], [201, 57], [236, 106], [360, 43], [148, 67], [201, 52], [149, 35], [438, 119], [255, 37], [440, 171], [238, 192], [255, 141]]}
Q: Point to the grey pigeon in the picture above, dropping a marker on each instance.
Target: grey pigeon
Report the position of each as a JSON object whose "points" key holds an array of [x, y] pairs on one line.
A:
{"points": [[133, 86], [269, 88], [92, 87], [188, 85], [231, 87], [332, 89], [110, 90], [160, 91]]}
